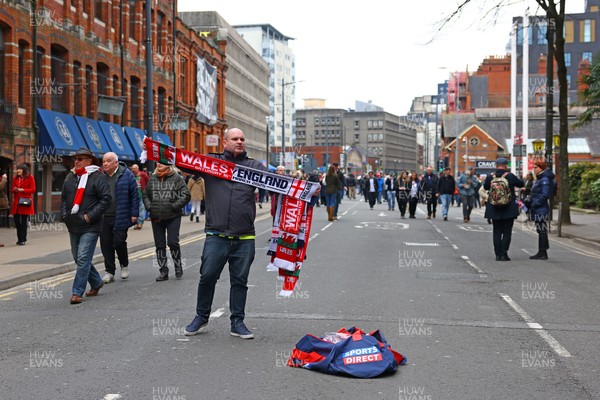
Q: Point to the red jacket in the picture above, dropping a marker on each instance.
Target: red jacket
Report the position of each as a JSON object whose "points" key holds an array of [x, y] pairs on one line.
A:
{"points": [[28, 184]]}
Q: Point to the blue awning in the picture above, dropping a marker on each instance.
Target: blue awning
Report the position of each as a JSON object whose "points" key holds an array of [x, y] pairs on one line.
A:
{"points": [[163, 138], [93, 136], [59, 134], [136, 138], [117, 142]]}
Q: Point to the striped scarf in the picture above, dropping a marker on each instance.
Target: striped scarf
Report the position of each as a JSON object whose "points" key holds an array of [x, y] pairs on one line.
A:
{"points": [[83, 174]]}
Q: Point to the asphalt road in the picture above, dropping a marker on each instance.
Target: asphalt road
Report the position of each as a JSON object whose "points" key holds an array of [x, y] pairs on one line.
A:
{"points": [[471, 327]]}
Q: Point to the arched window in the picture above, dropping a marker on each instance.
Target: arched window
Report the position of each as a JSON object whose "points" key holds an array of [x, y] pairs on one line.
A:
{"points": [[2, 63], [57, 87]]}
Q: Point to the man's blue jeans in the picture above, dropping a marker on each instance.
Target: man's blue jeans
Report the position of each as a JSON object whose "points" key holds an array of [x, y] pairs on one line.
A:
{"points": [[391, 199], [446, 200], [217, 252], [82, 248]]}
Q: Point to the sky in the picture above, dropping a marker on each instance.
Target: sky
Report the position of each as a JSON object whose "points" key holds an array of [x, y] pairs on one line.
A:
{"points": [[384, 51]]}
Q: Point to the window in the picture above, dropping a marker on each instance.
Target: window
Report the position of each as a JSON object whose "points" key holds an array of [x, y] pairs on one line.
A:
{"points": [[380, 123], [163, 118], [89, 74], [520, 32], [567, 59], [542, 32], [57, 89], [569, 31], [98, 10], [568, 81], [132, 19], [22, 47], [356, 124], [2, 71], [160, 33], [587, 55], [134, 102], [102, 77], [587, 31], [77, 98], [182, 80], [316, 121]]}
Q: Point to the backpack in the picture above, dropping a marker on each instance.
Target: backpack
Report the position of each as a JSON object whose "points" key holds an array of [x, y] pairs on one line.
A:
{"points": [[499, 194]]}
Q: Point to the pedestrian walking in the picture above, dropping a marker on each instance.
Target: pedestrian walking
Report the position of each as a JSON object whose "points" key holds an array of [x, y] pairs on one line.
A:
{"points": [[85, 198], [446, 186], [23, 188], [196, 186], [371, 189], [541, 191], [501, 206], [341, 190], [3, 196], [122, 213], [403, 186], [380, 184], [467, 185], [230, 237], [141, 179], [351, 184], [414, 195], [429, 183], [165, 196], [332, 187], [390, 187]]}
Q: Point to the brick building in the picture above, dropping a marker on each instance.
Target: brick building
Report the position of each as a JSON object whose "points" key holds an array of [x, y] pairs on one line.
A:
{"points": [[87, 50]]}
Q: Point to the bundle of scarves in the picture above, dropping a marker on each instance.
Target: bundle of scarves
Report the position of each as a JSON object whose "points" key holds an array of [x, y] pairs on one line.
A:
{"points": [[291, 227]]}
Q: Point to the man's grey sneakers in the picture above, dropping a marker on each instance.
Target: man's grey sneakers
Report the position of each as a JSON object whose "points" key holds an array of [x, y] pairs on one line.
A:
{"points": [[240, 330], [108, 278], [197, 326], [124, 272]]}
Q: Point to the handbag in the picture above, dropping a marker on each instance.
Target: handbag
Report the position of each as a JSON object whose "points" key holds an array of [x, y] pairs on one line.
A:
{"points": [[24, 201], [352, 353]]}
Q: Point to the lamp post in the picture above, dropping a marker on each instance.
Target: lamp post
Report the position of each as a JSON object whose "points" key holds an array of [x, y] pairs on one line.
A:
{"points": [[267, 132], [149, 117], [466, 142], [456, 108], [283, 85]]}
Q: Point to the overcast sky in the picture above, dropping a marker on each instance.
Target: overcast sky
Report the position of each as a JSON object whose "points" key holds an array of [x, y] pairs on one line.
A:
{"points": [[380, 50]]}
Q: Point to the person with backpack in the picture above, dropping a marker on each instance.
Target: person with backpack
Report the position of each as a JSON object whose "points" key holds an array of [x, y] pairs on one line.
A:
{"points": [[541, 191], [501, 206]]}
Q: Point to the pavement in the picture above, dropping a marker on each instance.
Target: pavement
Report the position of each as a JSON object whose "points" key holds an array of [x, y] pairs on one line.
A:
{"points": [[48, 242], [47, 249]]}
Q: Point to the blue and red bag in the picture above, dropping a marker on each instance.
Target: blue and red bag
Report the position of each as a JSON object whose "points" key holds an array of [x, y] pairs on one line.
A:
{"points": [[358, 355]]}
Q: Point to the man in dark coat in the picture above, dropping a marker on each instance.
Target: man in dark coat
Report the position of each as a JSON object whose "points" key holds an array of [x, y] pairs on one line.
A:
{"points": [[122, 213], [429, 189], [85, 197], [503, 217]]}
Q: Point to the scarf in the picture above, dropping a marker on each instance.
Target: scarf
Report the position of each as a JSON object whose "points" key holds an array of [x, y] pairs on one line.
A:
{"points": [[83, 174], [192, 162]]}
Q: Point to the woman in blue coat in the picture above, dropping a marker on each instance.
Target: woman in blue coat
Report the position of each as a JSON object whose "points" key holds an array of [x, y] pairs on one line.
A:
{"points": [[541, 191]]}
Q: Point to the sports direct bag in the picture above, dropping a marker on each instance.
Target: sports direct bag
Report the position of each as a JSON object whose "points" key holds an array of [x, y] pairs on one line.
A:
{"points": [[347, 352], [500, 194]]}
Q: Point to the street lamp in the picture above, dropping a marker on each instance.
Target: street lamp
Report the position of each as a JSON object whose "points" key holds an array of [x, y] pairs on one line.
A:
{"points": [[283, 85], [456, 109], [267, 132], [466, 142]]}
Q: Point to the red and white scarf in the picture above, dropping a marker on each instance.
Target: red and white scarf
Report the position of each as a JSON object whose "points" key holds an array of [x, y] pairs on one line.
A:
{"points": [[83, 174]]}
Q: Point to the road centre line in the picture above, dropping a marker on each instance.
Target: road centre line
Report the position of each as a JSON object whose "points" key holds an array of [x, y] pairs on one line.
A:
{"points": [[326, 226], [539, 329]]}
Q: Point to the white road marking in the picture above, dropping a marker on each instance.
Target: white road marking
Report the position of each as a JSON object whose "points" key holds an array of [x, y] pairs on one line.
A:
{"points": [[455, 247], [217, 313], [112, 396], [552, 342], [313, 236], [326, 226], [421, 244]]}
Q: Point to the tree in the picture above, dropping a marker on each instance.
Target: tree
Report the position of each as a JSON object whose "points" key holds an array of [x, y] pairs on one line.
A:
{"points": [[555, 12], [589, 97]]}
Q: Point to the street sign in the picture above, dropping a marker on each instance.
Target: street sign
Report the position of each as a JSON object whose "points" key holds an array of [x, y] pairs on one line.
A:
{"points": [[538, 145]]}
